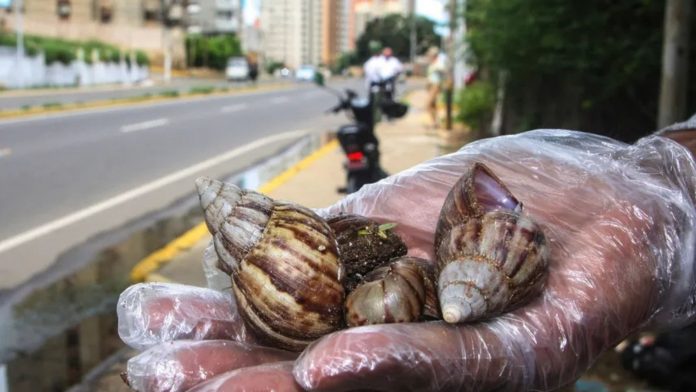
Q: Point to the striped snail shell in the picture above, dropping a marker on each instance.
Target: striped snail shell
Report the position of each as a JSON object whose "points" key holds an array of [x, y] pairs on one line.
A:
{"points": [[402, 291], [491, 256], [282, 257]]}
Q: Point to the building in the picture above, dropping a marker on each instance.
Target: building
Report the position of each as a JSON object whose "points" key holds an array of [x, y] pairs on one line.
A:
{"points": [[128, 24], [292, 31], [331, 26], [213, 16], [363, 11]]}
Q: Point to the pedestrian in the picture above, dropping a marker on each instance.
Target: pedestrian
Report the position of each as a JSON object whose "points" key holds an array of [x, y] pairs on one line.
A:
{"points": [[390, 69], [435, 75], [373, 65], [619, 222]]}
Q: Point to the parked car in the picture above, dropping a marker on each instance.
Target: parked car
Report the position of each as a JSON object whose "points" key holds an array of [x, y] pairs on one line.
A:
{"points": [[237, 69], [306, 73], [283, 73]]}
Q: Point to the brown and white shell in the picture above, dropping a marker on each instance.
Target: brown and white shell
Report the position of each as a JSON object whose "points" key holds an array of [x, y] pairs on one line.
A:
{"points": [[402, 291], [283, 261], [491, 256]]}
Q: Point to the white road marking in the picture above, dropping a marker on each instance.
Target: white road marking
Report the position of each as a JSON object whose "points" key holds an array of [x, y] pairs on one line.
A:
{"points": [[94, 209], [233, 108], [5, 152], [278, 100], [141, 126]]}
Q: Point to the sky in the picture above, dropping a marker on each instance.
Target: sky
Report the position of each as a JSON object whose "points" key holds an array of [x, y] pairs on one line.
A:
{"points": [[433, 9]]}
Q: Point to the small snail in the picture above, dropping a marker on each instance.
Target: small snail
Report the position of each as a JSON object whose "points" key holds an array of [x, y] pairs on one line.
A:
{"points": [[283, 261], [491, 257], [364, 245], [402, 291]]}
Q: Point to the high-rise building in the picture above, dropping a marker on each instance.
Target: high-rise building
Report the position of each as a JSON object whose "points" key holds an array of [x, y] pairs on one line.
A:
{"points": [[331, 26], [292, 31]]}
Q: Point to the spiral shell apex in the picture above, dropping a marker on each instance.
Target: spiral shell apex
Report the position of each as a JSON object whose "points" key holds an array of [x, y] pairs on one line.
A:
{"points": [[283, 261], [491, 256]]}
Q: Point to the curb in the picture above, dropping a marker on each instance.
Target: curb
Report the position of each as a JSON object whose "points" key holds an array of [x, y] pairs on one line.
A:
{"points": [[145, 269], [132, 101]]}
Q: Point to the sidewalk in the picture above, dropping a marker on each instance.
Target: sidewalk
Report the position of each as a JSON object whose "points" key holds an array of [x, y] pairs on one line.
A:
{"points": [[403, 143]]}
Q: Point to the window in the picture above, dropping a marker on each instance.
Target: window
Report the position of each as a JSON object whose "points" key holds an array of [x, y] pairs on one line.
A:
{"points": [[151, 10], [63, 9], [227, 14], [106, 11]]}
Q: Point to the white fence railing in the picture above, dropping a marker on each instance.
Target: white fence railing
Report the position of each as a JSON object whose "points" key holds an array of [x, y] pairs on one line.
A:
{"points": [[34, 72]]}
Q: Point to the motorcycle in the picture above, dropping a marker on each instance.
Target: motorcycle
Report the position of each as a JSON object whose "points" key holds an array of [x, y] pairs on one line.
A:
{"points": [[358, 140]]}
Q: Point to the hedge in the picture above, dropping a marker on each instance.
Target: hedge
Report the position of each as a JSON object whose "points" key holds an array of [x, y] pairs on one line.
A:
{"points": [[211, 51]]}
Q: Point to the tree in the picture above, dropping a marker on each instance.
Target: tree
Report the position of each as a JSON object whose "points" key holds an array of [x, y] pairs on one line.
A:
{"points": [[592, 65], [394, 31]]}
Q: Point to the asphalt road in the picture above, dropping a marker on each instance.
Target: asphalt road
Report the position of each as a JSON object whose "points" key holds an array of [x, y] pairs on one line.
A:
{"points": [[65, 177], [11, 100]]}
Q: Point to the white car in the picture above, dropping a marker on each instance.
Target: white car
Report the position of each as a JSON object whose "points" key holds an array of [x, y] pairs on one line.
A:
{"points": [[305, 73], [237, 69]]}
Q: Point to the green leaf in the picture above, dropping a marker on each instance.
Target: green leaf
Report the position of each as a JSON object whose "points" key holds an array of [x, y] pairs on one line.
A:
{"points": [[363, 232], [386, 226]]}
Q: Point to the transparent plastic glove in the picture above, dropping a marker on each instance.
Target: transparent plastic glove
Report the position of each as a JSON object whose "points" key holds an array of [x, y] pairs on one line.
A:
{"points": [[619, 219], [190, 335], [152, 313]]}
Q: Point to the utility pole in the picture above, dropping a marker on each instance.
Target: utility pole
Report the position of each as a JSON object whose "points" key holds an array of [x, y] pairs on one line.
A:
{"points": [[19, 15], [413, 37], [451, 55], [166, 44], [675, 63], [460, 64]]}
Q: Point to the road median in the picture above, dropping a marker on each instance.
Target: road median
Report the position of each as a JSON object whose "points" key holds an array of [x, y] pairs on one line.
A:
{"points": [[196, 92]]}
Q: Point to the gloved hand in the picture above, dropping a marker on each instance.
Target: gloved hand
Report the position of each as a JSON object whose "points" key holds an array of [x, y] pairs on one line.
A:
{"points": [[620, 223]]}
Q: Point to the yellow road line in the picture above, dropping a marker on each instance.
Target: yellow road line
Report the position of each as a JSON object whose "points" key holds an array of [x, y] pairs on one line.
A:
{"points": [[162, 256], [146, 267]]}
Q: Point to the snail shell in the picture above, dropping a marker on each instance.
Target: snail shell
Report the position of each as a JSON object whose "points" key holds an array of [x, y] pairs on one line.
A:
{"points": [[402, 291], [491, 257], [283, 261]]}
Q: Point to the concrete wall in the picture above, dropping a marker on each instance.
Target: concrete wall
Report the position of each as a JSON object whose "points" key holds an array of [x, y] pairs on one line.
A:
{"points": [[34, 72]]}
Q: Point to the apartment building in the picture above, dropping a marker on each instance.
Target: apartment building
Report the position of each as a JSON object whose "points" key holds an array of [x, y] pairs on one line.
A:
{"points": [[126, 23], [213, 16], [292, 31]]}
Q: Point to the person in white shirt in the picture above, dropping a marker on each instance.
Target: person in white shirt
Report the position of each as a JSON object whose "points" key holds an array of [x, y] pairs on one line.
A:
{"points": [[373, 65], [391, 67]]}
